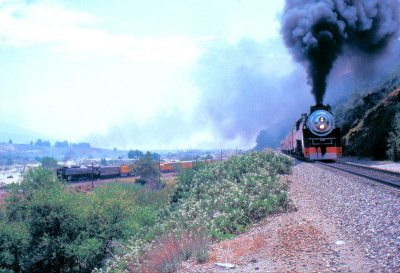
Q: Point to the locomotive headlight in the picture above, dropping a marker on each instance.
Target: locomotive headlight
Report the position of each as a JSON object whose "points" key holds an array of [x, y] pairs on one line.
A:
{"points": [[320, 122]]}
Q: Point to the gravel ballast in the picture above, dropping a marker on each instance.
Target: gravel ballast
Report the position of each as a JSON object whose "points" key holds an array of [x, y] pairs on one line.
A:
{"points": [[343, 223], [366, 212]]}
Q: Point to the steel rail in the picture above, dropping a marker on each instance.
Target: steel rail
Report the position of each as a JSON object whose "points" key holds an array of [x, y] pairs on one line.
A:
{"points": [[382, 176]]}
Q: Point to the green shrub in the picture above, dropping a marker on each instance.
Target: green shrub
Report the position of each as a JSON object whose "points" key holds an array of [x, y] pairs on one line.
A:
{"points": [[51, 228], [147, 168], [14, 239], [228, 196], [185, 179], [48, 162], [38, 179], [217, 200]]}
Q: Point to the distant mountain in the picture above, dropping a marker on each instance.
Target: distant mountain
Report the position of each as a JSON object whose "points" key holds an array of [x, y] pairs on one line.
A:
{"points": [[25, 153], [18, 134]]}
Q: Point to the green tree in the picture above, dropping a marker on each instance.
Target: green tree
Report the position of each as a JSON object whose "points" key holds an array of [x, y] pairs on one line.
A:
{"points": [[393, 145], [135, 154], [149, 170], [42, 143], [48, 162], [61, 144], [131, 154], [38, 178], [39, 142], [85, 145], [46, 143], [155, 156], [14, 239]]}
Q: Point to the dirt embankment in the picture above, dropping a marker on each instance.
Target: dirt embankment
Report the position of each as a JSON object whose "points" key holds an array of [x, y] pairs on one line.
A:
{"points": [[306, 240]]}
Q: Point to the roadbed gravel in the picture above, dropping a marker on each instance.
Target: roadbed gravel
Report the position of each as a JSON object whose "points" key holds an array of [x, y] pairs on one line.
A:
{"points": [[343, 223]]}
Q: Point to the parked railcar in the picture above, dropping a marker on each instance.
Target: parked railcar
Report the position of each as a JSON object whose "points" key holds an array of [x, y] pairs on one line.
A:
{"points": [[314, 136], [76, 173], [166, 167], [109, 171]]}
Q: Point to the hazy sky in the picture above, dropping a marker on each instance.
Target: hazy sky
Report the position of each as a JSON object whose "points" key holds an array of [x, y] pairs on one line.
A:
{"points": [[141, 74]]}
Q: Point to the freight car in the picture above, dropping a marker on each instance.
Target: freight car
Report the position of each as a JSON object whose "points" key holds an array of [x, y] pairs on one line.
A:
{"points": [[175, 166], [314, 136], [76, 173]]}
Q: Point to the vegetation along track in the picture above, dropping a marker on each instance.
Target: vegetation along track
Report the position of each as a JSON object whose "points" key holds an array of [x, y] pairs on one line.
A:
{"points": [[381, 176]]}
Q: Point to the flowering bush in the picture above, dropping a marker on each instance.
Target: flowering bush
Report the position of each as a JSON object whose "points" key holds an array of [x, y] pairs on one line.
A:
{"points": [[227, 196], [221, 199]]}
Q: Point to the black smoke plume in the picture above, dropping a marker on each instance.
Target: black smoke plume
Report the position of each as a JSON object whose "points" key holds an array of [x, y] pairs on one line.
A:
{"points": [[317, 32]]}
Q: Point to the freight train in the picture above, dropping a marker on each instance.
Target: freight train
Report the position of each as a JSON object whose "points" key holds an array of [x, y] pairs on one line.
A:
{"points": [[76, 173], [314, 136]]}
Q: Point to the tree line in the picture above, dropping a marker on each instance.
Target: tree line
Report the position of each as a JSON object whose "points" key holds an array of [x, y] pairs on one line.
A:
{"points": [[59, 144]]}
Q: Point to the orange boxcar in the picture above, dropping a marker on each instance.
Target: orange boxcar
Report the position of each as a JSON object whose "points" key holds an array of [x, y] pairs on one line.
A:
{"points": [[124, 170]]}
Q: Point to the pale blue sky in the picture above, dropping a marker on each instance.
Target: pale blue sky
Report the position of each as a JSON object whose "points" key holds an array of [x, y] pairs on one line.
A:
{"points": [[125, 73]]}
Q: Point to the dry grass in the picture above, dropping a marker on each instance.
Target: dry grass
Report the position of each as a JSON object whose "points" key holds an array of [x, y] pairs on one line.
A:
{"points": [[232, 250], [169, 179], [167, 253]]}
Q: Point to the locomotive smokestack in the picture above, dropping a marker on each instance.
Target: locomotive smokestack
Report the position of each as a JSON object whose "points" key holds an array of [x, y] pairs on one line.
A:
{"points": [[317, 32], [320, 107]]}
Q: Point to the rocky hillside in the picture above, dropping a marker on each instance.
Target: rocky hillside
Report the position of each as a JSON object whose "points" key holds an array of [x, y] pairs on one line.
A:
{"points": [[369, 121]]}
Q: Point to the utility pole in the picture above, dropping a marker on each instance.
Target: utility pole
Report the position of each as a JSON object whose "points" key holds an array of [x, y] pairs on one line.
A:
{"points": [[159, 169], [92, 177]]}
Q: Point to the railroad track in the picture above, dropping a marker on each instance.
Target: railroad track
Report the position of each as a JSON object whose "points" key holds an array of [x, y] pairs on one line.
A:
{"points": [[378, 175]]}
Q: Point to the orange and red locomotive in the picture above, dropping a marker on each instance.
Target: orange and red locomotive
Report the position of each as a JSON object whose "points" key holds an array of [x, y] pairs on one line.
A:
{"points": [[314, 136]]}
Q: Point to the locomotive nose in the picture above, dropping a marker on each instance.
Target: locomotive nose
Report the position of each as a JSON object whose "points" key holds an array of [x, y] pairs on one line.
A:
{"points": [[320, 122]]}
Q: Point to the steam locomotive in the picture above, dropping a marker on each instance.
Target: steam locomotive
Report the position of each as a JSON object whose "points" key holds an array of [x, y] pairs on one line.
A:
{"points": [[76, 173], [314, 136]]}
